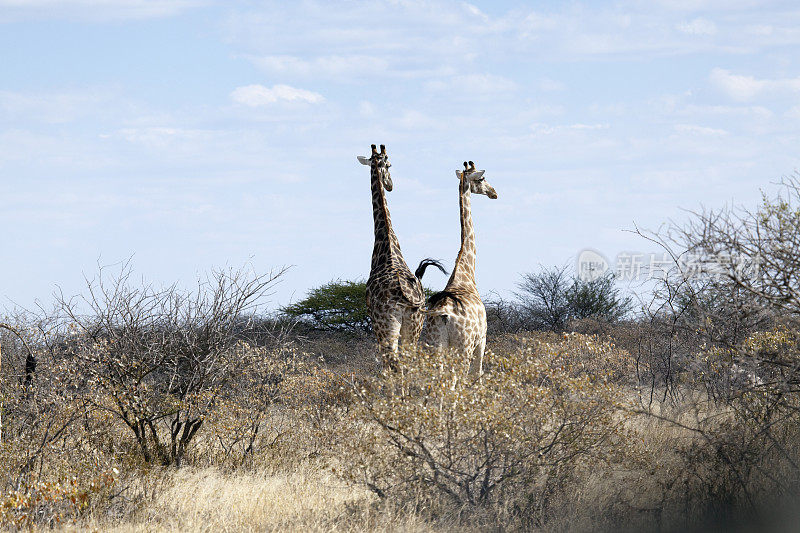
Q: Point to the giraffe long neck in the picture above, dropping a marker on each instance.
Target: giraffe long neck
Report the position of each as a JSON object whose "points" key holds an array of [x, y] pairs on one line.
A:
{"points": [[386, 243], [464, 269]]}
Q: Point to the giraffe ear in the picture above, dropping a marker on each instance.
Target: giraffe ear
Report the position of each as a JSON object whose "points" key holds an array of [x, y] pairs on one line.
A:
{"points": [[363, 160], [458, 174], [476, 175]]}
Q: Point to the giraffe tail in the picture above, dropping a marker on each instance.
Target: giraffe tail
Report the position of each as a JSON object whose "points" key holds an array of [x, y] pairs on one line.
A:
{"points": [[425, 263]]}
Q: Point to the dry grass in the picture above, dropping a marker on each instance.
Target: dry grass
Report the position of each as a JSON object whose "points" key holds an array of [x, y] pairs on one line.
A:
{"points": [[207, 499], [639, 494], [660, 476]]}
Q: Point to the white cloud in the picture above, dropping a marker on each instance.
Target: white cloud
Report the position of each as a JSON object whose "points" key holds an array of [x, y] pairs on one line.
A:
{"points": [[698, 26], [401, 37], [699, 130], [332, 65], [157, 136], [744, 88], [703, 5], [59, 107], [543, 110], [414, 38], [588, 126], [740, 88], [31, 151], [473, 10], [485, 83], [474, 84], [794, 112], [95, 10], [760, 29], [753, 112], [259, 95], [540, 128], [539, 22], [546, 84]]}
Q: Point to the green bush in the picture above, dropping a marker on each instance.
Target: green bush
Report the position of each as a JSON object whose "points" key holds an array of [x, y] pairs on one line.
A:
{"points": [[336, 306], [339, 305]]}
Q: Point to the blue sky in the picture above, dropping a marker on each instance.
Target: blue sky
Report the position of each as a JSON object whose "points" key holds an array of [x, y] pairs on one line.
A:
{"points": [[198, 134]]}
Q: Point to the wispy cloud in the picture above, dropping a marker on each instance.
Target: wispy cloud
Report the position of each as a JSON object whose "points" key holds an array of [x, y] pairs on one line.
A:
{"points": [[60, 107], [699, 130], [744, 88], [547, 84], [161, 137], [704, 5], [698, 26], [540, 128], [794, 112], [473, 84], [334, 65], [259, 95], [474, 10], [94, 10]]}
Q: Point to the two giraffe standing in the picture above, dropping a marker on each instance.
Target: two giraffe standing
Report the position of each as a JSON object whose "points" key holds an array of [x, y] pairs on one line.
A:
{"points": [[395, 299]]}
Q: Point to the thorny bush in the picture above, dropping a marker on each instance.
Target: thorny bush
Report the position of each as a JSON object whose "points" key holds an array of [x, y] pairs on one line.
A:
{"points": [[158, 359], [758, 382], [432, 432]]}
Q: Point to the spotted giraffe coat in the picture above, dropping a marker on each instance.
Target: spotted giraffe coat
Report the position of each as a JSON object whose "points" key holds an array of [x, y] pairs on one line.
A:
{"points": [[395, 299], [456, 318]]}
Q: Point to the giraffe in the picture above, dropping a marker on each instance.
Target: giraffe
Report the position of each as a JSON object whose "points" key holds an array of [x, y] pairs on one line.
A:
{"points": [[456, 315], [395, 299]]}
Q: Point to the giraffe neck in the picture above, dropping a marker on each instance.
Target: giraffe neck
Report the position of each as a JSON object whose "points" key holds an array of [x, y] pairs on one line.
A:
{"points": [[464, 269], [386, 243]]}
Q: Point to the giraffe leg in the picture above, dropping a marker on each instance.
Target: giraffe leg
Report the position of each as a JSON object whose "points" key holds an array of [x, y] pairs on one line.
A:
{"points": [[477, 357], [389, 346], [386, 326]]}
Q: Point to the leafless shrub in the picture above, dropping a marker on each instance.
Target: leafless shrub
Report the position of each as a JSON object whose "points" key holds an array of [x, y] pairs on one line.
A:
{"points": [[551, 299], [504, 316], [723, 322], [158, 359], [756, 250], [543, 296], [241, 423], [690, 307]]}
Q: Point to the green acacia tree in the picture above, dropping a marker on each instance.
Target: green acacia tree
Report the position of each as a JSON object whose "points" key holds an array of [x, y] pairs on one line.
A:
{"points": [[339, 305]]}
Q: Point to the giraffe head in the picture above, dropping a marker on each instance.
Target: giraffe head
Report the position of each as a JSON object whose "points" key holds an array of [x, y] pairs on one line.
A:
{"points": [[477, 183], [379, 162]]}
